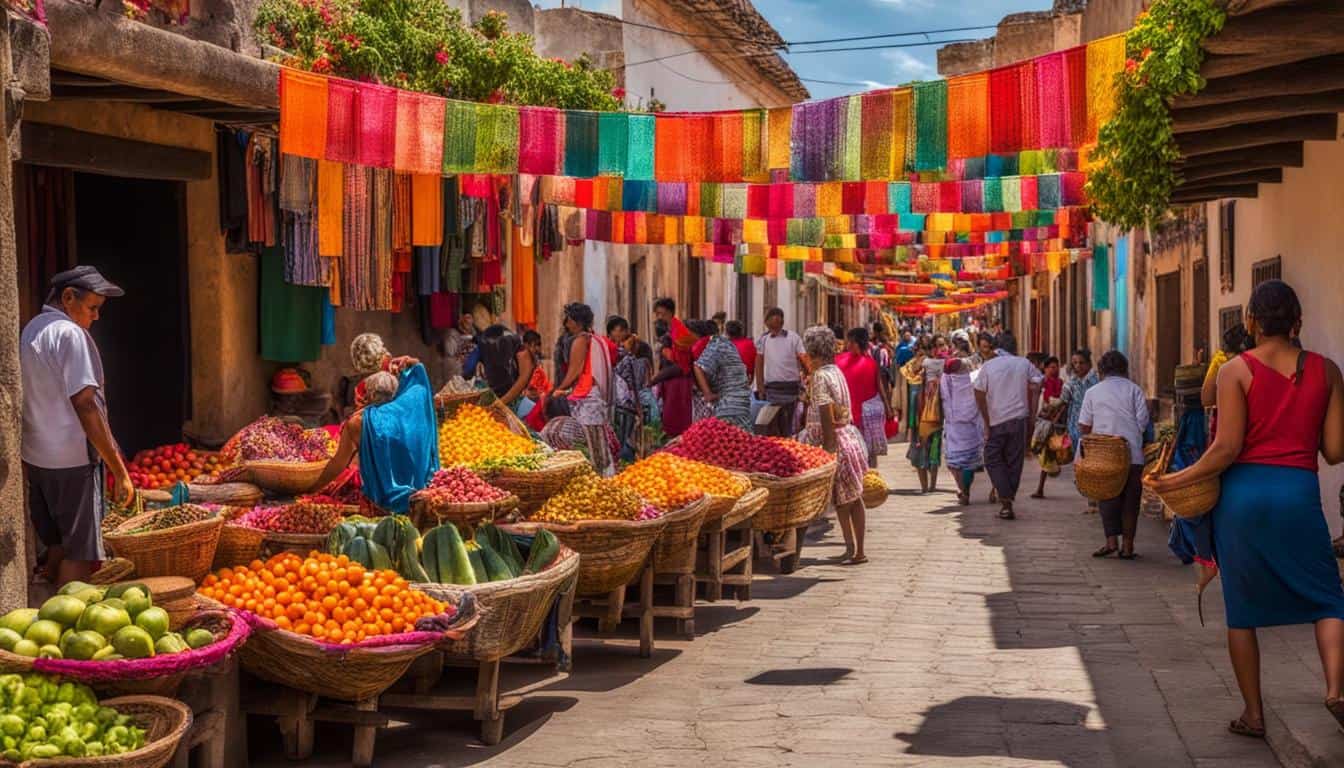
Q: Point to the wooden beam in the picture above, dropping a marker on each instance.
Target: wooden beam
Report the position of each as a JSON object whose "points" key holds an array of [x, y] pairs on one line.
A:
{"points": [[1206, 172], [1287, 154], [1243, 7], [1216, 193], [1323, 127], [111, 46], [1254, 111], [96, 153], [1324, 73], [112, 92], [1263, 176], [239, 116], [1313, 26]]}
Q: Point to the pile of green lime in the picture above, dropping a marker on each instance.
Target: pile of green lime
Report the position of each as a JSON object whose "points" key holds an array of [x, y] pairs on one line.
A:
{"points": [[44, 718], [91, 623]]}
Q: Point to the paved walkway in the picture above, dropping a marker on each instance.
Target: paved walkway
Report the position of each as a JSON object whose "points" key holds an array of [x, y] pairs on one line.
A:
{"points": [[966, 641]]}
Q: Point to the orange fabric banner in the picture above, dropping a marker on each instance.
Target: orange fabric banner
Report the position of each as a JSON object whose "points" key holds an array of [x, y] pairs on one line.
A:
{"points": [[426, 209], [330, 207], [303, 114], [968, 115]]}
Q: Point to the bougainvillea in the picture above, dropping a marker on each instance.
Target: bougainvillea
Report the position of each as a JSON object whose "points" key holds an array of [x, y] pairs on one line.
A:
{"points": [[1134, 176], [423, 45]]}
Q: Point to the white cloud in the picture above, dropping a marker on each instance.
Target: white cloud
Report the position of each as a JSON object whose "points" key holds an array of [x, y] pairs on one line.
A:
{"points": [[874, 85], [905, 67]]}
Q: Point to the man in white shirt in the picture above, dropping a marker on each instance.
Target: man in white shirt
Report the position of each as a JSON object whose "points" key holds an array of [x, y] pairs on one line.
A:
{"points": [[65, 431], [779, 373], [1005, 392], [1117, 406]]}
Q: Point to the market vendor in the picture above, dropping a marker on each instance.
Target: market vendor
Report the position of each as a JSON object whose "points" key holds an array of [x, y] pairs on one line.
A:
{"points": [[67, 443], [507, 362], [369, 355], [394, 435]]}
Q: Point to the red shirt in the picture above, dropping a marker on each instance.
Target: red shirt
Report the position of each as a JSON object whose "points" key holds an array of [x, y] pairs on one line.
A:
{"points": [[1053, 387], [746, 349], [1284, 417]]}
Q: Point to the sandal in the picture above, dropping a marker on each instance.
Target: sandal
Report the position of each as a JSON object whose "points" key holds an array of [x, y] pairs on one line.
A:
{"points": [[1038, 495], [1241, 728], [855, 560], [964, 499], [1336, 707], [1105, 552], [1006, 513], [1128, 556]]}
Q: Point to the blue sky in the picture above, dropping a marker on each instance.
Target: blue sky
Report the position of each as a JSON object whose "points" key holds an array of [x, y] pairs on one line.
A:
{"points": [[863, 70]]}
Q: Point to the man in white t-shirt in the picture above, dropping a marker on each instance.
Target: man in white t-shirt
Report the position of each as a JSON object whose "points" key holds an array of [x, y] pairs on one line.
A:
{"points": [[779, 373], [66, 438], [1005, 392], [1117, 406]]}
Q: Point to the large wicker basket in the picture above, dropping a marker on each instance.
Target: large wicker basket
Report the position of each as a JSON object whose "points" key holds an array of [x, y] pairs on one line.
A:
{"points": [[534, 487], [1191, 500], [794, 501], [299, 543], [238, 545], [165, 722], [874, 490], [1102, 467], [299, 662], [674, 550], [718, 506], [512, 611], [185, 550], [287, 478], [611, 552], [428, 514]]}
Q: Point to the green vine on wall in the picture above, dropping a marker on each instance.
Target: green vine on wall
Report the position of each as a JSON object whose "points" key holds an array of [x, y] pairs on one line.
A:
{"points": [[1135, 176]]}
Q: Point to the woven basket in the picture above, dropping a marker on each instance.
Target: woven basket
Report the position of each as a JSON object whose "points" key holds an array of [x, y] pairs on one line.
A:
{"points": [[165, 722], [718, 506], [512, 611], [238, 545], [1102, 468], [174, 594], [794, 501], [299, 662], [186, 550], [273, 543], [446, 401], [1190, 500], [288, 478], [611, 552], [114, 570], [874, 495], [427, 514], [534, 487], [674, 550], [229, 494], [1189, 376], [752, 502]]}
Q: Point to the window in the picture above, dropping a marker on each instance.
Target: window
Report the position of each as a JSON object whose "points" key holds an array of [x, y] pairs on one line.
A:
{"points": [[1227, 318], [1269, 269], [1227, 242]]}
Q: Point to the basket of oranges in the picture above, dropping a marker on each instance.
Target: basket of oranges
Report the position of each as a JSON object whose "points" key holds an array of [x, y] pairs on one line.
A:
{"points": [[326, 625], [692, 493]]}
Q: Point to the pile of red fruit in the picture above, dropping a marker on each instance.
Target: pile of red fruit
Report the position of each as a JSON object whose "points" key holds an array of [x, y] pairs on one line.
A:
{"points": [[161, 467], [291, 518], [459, 485], [270, 439], [723, 445]]}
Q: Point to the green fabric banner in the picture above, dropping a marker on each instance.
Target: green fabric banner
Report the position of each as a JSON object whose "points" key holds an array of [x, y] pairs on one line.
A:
{"points": [[1101, 278]]}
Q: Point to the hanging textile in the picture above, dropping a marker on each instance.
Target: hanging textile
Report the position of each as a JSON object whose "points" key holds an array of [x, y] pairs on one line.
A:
{"points": [[357, 227], [834, 131], [901, 102], [725, 156], [381, 195], [640, 131], [1052, 101], [669, 148], [581, 143], [303, 114], [612, 143], [260, 178], [426, 209], [376, 139], [342, 121], [459, 137], [851, 150], [697, 135], [779, 129], [1075, 84], [540, 139], [290, 322], [231, 152], [1101, 278], [876, 134], [1028, 105], [930, 125], [419, 134], [496, 138], [298, 183], [330, 206], [401, 215], [968, 115], [753, 145], [523, 280], [1105, 60], [1005, 109]]}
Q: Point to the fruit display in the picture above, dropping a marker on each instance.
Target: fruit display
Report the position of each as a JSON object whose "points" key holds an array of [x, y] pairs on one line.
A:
{"points": [[390, 543], [271, 439], [291, 518], [670, 482], [459, 485], [873, 483], [172, 517], [589, 497], [42, 717], [90, 623], [491, 555], [327, 597], [162, 467], [716, 442], [473, 436]]}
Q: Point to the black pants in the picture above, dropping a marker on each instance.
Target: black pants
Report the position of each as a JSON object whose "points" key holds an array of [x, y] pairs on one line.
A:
{"points": [[1120, 516], [1005, 450]]}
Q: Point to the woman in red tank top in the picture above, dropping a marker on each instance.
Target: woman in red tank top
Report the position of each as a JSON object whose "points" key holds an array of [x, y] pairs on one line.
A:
{"points": [[1278, 407]]}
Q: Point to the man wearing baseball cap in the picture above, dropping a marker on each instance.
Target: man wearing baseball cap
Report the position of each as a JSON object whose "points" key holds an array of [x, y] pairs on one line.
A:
{"points": [[66, 438]]}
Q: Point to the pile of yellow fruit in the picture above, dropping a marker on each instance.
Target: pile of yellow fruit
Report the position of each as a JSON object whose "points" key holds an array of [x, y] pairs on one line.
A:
{"points": [[589, 497], [473, 436], [671, 482], [873, 483]]}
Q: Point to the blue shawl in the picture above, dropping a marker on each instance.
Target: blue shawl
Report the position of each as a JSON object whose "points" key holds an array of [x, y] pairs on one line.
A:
{"points": [[398, 447]]}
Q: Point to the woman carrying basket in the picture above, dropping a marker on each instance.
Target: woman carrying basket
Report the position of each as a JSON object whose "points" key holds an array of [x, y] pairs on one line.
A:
{"points": [[1278, 407], [1116, 406]]}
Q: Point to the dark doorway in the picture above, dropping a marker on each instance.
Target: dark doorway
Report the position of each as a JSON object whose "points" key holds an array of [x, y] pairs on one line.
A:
{"points": [[1200, 276], [132, 230], [1169, 339]]}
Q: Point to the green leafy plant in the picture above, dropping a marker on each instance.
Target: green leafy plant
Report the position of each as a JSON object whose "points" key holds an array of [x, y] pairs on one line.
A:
{"points": [[423, 45], [1134, 177]]}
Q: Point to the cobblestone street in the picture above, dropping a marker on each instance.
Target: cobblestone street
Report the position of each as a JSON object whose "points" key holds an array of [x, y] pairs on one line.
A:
{"points": [[965, 641]]}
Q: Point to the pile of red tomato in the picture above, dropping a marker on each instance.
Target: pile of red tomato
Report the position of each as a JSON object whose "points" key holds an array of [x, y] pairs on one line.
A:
{"points": [[161, 467]]}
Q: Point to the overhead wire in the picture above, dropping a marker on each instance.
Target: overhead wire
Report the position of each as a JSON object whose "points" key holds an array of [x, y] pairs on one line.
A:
{"points": [[741, 54]]}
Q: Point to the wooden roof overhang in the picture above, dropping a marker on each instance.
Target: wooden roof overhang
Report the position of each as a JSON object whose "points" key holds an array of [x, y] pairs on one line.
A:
{"points": [[1275, 78]]}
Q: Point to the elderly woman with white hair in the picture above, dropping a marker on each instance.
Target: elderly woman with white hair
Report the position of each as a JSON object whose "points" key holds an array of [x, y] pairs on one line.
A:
{"points": [[829, 424], [369, 355], [375, 389]]}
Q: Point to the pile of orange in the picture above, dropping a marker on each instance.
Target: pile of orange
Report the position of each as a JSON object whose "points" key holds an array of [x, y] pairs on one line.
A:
{"points": [[472, 436], [328, 597], [669, 482]]}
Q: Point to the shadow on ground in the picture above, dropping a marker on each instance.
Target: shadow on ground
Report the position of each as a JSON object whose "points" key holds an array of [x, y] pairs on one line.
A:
{"points": [[1044, 730]]}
